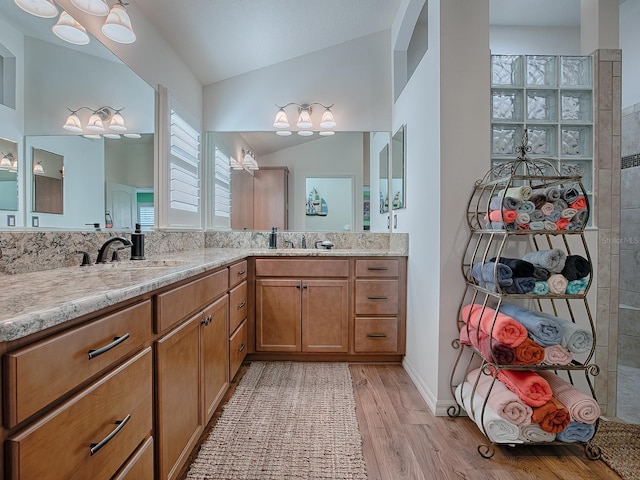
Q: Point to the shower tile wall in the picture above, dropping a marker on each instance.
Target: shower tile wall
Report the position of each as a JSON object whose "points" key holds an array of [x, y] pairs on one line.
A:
{"points": [[629, 241]]}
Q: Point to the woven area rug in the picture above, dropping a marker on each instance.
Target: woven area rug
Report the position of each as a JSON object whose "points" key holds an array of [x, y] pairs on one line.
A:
{"points": [[620, 446], [286, 420]]}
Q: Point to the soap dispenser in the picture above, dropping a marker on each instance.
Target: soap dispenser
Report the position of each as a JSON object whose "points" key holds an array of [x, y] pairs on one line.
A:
{"points": [[273, 238], [137, 238]]}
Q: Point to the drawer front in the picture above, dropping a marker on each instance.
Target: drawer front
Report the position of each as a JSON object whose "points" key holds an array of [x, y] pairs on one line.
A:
{"points": [[376, 297], [237, 273], [287, 267], [41, 373], [182, 302], [382, 267], [140, 465], [92, 434], [237, 349], [376, 335], [237, 306]]}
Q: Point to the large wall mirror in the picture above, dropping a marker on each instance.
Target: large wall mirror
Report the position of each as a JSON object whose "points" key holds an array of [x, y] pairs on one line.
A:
{"points": [[8, 175], [59, 77]]}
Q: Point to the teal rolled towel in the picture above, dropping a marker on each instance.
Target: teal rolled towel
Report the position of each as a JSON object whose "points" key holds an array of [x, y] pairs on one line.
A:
{"points": [[536, 225], [576, 287], [541, 288]]}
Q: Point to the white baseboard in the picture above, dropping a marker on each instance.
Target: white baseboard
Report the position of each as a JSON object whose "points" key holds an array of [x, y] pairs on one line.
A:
{"points": [[438, 407]]}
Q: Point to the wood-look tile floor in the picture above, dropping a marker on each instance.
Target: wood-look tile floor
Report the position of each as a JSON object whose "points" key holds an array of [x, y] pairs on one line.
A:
{"points": [[403, 440]]}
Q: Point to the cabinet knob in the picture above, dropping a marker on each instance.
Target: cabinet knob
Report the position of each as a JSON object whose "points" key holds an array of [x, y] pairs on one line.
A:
{"points": [[206, 321], [297, 285], [241, 272], [305, 286]]}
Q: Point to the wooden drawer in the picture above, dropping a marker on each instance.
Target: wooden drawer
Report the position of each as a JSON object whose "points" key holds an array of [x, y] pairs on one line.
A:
{"points": [[92, 434], [40, 373], [237, 349], [237, 306], [237, 273], [376, 335], [288, 267], [379, 267], [182, 302], [140, 465], [376, 297]]}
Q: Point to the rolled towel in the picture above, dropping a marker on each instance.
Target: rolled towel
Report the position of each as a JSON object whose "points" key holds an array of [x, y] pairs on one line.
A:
{"points": [[560, 205], [577, 287], [553, 259], [523, 218], [575, 267], [533, 433], [530, 387], [576, 432], [491, 272], [526, 207], [503, 215], [502, 400], [550, 225], [505, 329], [574, 227], [543, 331], [579, 204], [552, 194], [496, 428], [538, 200], [491, 350], [569, 213], [521, 194], [519, 268], [541, 273], [541, 288], [557, 355], [562, 224], [557, 284], [574, 338], [554, 216], [547, 208], [498, 203], [581, 217], [569, 195], [552, 417], [582, 408], [536, 225], [523, 226], [529, 353], [521, 285], [536, 216]]}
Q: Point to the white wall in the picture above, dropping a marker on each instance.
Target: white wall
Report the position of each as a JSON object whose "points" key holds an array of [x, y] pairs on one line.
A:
{"points": [[630, 45], [355, 76], [534, 40]]}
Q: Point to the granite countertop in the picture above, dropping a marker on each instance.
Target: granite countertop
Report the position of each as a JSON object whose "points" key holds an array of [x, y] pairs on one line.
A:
{"points": [[35, 301]]}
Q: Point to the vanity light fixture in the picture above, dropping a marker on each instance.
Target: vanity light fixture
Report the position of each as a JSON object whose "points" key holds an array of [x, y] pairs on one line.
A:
{"points": [[39, 8], [69, 30], [304, 123], [7, 161], [117, 26], [37, 169], [98, 8], [96, 122], [249, 160]]}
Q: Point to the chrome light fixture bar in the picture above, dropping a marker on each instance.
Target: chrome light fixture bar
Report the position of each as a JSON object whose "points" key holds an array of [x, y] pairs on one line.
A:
{"points": [[305, 122]]}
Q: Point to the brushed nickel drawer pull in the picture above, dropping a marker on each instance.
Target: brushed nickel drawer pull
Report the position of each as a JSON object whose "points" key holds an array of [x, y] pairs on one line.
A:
{"points": [[376, 335], [242, 304], [99, 351], [242, 347], [377, 268], [241, 272], [120, 425], [377, 297]]}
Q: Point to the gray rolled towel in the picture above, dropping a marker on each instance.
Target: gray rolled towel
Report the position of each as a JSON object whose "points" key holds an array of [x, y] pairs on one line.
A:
{"points": [[536, 216], [553, 259], [580, 218], [526, 207], [498, 203], [552, 194], [569, 195], [560, 205]]}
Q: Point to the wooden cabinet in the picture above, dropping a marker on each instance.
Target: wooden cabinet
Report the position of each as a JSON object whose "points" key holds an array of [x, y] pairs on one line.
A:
{"points": [[238, 307], [271, 198], [302, 314], [140, 465], [215, 354]]}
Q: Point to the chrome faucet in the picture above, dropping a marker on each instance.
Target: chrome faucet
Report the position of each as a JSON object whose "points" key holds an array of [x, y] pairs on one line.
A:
{"points": [[103, 249]]}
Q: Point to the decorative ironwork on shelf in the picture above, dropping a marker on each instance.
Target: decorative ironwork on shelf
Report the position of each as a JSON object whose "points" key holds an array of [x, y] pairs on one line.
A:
{"points": [[524, 148]]}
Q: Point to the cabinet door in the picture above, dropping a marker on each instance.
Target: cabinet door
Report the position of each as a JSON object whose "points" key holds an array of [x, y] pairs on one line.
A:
{"points": [[270, 204], [215, 354], [179, 411], [242, 194], [278, 315], [325, 315]]}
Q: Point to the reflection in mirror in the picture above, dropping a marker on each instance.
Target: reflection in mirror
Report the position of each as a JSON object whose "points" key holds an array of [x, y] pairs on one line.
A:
{"points": [[329, 204], [48, 179], [398, 168], [8, 175], [384, 179]]}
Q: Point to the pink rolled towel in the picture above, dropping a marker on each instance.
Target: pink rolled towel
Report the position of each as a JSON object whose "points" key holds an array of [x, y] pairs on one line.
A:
{"points": [[547, 208], [530, 387], [503, 401], [557, 283], [582, 408], [505, 330], [557, 355], [506, 216]]}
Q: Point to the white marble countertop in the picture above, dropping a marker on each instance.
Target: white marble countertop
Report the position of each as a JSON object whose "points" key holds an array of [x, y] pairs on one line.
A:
{"points": [[32, 302]]}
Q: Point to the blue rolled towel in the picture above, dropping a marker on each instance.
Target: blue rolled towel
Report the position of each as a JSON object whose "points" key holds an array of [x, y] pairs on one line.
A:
{"points": [[536, 225], [526, 207], [574, 338], [552, 259], [569, 194], [521, 285], [536, 216], [554, 216], [485, 273], [576, 432], [543, 331], [541, 288], [575, 287], [498, 203], [552, 194]]}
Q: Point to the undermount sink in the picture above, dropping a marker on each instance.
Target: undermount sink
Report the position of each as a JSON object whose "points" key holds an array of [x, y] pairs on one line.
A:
{"points": [[127, 264]]}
